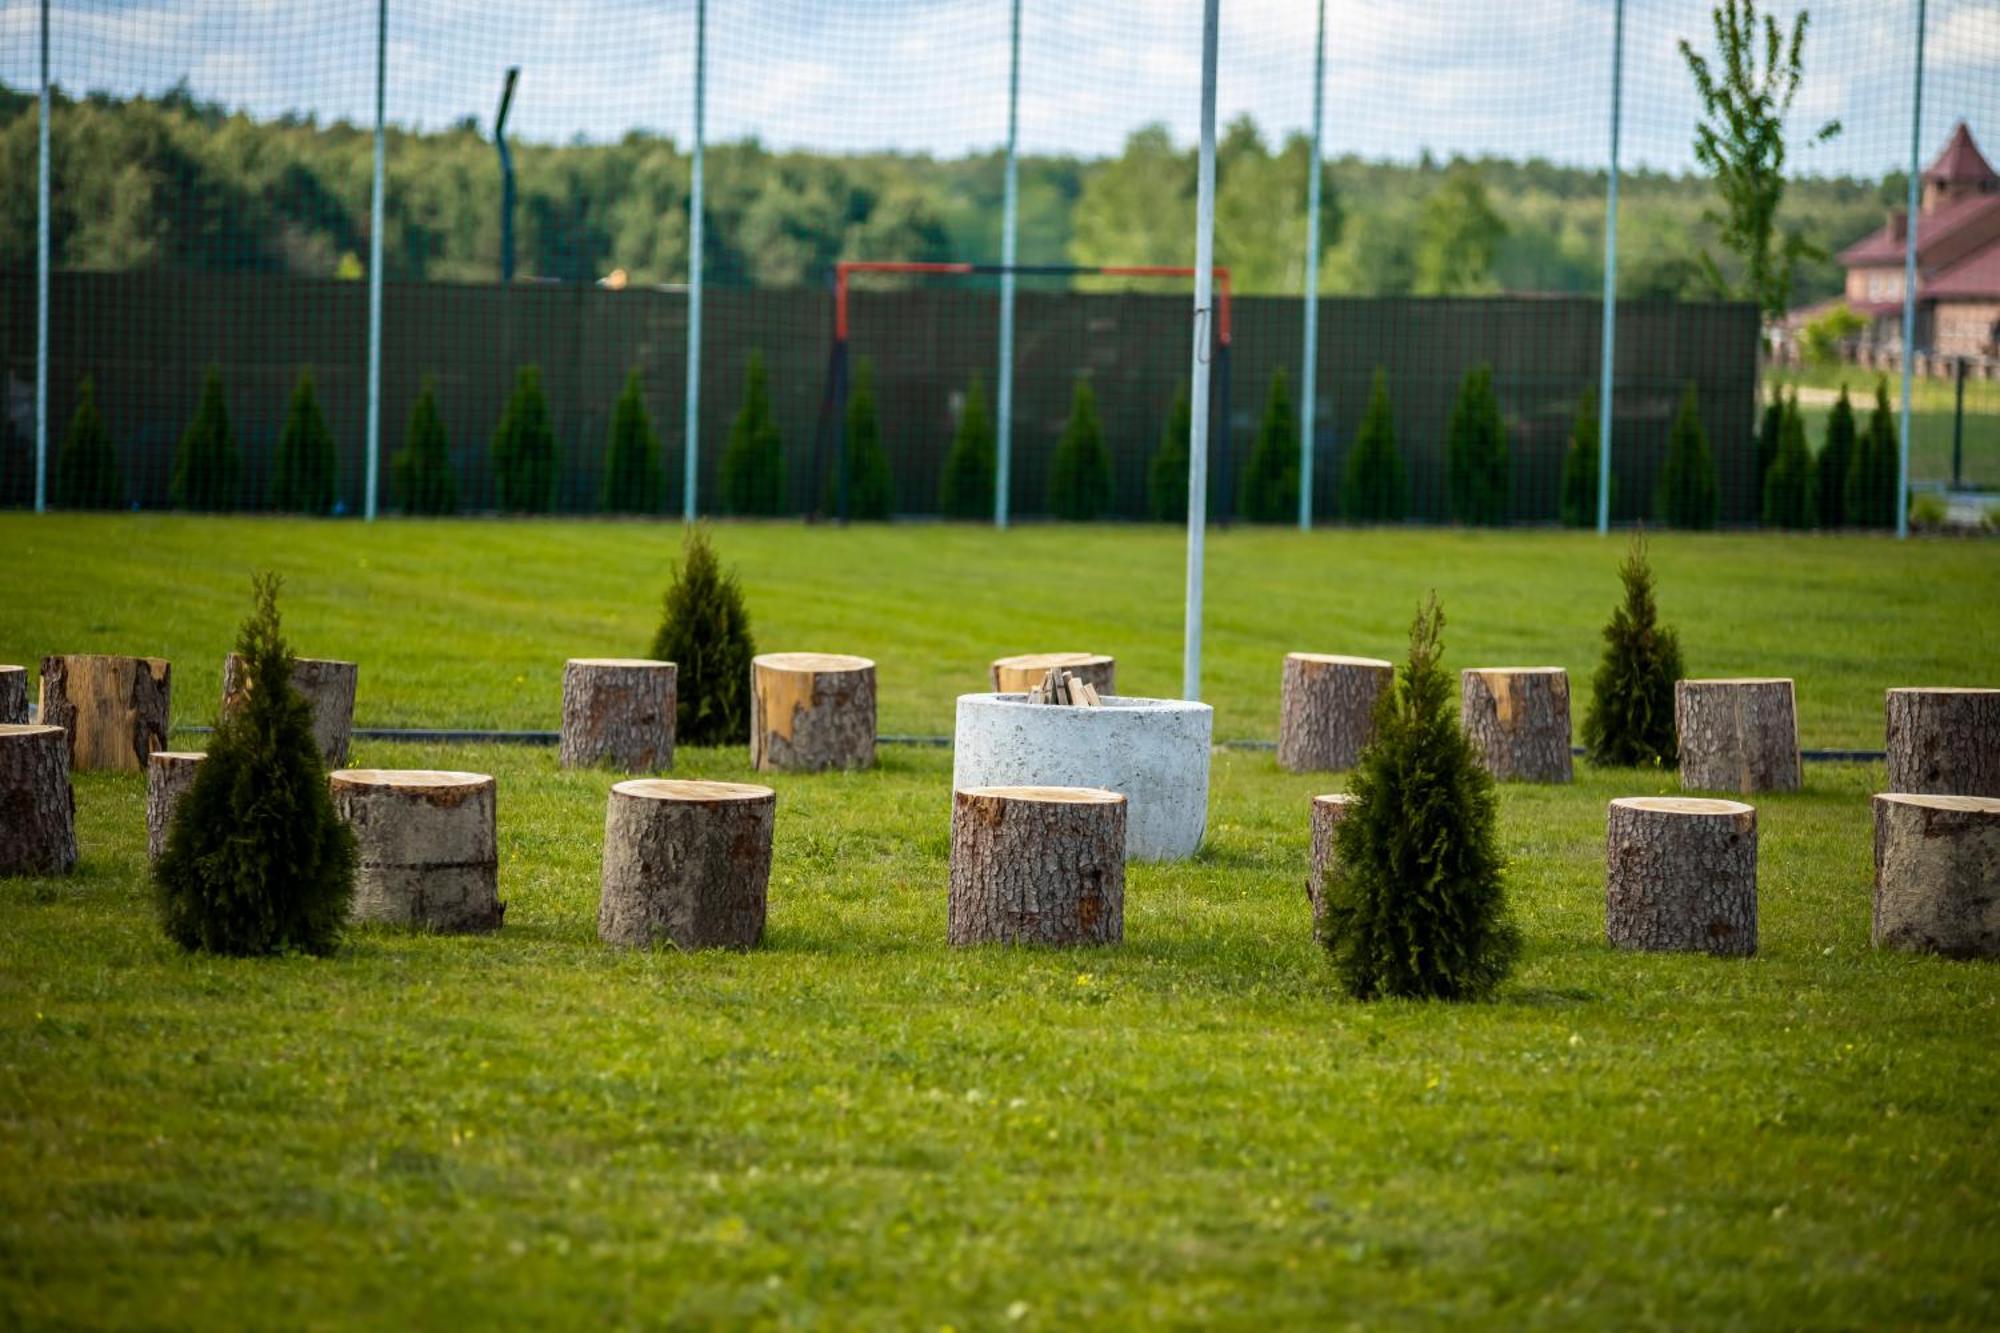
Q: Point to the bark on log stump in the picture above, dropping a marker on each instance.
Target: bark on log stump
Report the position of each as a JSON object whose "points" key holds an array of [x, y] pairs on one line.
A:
{"points": [[429, 856], [1937, 874], [1517, 718], [1328, 813], [1944, 742], [1737, 735], [13, 695], [1327, 710], [169, 775], [619, 712], [1681, 875], [686, 863], [37, 805], [811, 711], [1037, 865], [1018, 675], [328, 686], [115, 709]]}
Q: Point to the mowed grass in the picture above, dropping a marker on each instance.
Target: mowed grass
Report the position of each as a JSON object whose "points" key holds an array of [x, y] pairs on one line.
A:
{"points": [[1935, 423]]}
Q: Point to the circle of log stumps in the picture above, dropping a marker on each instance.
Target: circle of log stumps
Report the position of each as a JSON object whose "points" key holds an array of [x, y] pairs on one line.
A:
{"points": [[429, 854], [1328, 813], [13, 695], [1018, 675], [1738, 735], [1937, 874], [170, 775], [328, 686], [37, 805], [618, 711], [1681, 875], [1517, 718], [115, 709], [686, 863], [1037, 865], [1326, 711], [811, 711], [1944, 741]]}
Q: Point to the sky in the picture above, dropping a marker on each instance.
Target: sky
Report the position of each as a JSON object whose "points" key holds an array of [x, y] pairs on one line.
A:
{"points": [[1530, 78]]}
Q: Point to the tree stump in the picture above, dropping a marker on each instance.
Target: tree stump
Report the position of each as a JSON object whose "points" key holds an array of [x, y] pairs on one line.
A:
{"points": [[429, 855], [620, 712], [1944, 742], [1328, 813], [1327, 710], [328, 686], [1937, 874], [1517, 718], [1037, 865], [37, 805], [169, 775], [13, 695], [811, 711], [115, 709], [1018, 675], [1737, 735], [686, 863], [1681, 875]]}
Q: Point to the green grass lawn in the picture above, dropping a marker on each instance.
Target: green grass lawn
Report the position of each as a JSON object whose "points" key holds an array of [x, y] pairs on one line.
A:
{"points": [[858, 1127], [1932, 419]]}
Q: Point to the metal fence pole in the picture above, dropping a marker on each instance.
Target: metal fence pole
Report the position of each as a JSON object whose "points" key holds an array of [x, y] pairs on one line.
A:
{"points": [[1204, 294], [1309, 371], [691, 426], [1910, 284], [42, 285], [1010, 225], [375, 266], [1610, 304]]}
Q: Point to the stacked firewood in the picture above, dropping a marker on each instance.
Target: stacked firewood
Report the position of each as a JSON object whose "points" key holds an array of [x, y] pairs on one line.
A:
{"points": [[1064, 687]]}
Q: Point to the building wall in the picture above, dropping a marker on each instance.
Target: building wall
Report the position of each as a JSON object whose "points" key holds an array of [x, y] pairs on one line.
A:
{"points": [[1967, 328]]}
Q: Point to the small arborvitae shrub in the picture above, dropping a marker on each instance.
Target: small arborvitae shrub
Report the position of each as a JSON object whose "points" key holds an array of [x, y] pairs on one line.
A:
{"points": [[1770, 429], [524, 448], [424, 477], [306, 471], [1630, 721], [1687, 479], [87, 474], [208, 470], [967, 488], [871, 488], [1871, 473], [705, 633], [1578, 505], [1080, 472], [1789, 501], [1476, 481], [631, 454], [1416, 908], [1836, 455], [1376, 489], [256, 860], [1167, 473], [753, 463], [1271, 482]]}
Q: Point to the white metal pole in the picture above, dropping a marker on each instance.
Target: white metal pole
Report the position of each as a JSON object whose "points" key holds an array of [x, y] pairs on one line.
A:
{"points": [[1910, 285], [691, 427], [1309, 372], [1204, 293], [42, 286], [1604, 374], [375, 266], [1010, 223]]}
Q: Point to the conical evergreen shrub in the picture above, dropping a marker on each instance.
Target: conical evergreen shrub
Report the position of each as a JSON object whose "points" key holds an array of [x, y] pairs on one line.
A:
{"points": [[1476, 478], [524, 448], [1376, 488], [753, 462], [1271, 480], [1789, 501], [1080, 472], [1630, 721], [1836, 455], [1871, 473], [1578, 504], [424, 479], [256, 860], [1417, 908], [87, 472], [871, 488], [305, 473], [1686, 496], [705, 633], [1167, 473], [631, 454], [1770, 429], [208, 470], [966, 490]]}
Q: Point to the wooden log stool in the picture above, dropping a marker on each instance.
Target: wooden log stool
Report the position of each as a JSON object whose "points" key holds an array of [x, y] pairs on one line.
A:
{"points": [[618, 711], [1737, 735], [13, 695], [1037, 865], [686, 863], [115, 709], [1943, 741], [1328, 813], [811, 711], [37, 805], [170, 775], [1937, 874], [1018, 675], [1517, 718], [429, 855], [328, 686], [1326, 712], [1681, 875]]}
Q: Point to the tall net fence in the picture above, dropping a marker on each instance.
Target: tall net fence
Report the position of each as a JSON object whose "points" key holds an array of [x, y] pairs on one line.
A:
{"points": [[212, 240]]}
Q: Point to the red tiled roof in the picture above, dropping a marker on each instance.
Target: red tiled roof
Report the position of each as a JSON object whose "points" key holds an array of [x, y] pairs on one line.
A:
{"points": [[1883, 247], [1960, 163], [1976, 276]]}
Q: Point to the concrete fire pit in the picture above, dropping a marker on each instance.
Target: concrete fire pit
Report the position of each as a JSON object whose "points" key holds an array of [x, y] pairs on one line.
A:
{"points": [[1154, 752]]}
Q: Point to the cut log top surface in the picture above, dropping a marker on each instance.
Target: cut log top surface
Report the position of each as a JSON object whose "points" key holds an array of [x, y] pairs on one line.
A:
{"points": [[691, 791], [1043, 661], [1515, 671], [1736, 680], [25, 729], [178, 756], [1684, 805], [1968, 804], [1048, 795], [1338, 659], [429, 779], [1899, 689], [1335, 798], [811, 662], [618, 662]]}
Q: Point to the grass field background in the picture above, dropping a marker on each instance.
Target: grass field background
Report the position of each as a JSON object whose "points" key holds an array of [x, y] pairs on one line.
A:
{"points": [[1933, 418]]}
